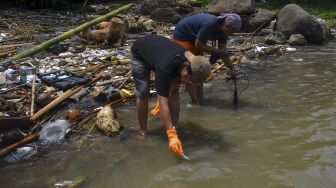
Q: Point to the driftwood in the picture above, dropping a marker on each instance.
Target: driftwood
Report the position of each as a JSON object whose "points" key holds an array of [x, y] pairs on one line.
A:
{"points": [[14, 122], [16, 145], [60, 99]]}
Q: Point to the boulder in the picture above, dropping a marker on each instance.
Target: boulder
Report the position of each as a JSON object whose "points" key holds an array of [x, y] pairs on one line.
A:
{"points": [[297, 40], [165, 15], [146, 7], [261, 20], [237, 6], [292, 19], [275, 38]]}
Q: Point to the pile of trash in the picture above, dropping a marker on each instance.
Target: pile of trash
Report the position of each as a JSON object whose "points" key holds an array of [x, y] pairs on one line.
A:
{"points": [[82, 79]]}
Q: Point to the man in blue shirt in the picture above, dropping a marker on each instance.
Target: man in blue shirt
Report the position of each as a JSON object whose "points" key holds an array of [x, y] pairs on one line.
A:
{"points": [[195, 31]]}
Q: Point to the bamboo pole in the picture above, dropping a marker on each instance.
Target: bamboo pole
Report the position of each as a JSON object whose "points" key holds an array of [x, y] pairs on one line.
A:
{"points": [[70, 33]]}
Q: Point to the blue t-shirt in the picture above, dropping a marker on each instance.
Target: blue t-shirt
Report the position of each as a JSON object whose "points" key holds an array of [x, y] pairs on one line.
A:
{"points": [[200, 26]]}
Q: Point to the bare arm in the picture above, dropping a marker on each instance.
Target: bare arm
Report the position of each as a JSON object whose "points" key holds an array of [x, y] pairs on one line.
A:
{"points": [[225, 56], [204, 48], [165, 112]]}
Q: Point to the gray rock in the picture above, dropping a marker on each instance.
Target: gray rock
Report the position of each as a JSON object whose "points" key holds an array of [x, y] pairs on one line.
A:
{"points": [[275, 38], [297, 39], [237, 6], [165, 15], [292, 19], [147, 6], [329, 35], [183, 7], [261, 20]]}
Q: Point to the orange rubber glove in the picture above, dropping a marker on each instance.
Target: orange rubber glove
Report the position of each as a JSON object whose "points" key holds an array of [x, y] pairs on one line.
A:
{"points": [[175, 145], [156, 110]]}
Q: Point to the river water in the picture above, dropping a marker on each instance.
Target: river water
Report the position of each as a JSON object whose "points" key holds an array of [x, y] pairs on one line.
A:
{"points": [[283, 134]]}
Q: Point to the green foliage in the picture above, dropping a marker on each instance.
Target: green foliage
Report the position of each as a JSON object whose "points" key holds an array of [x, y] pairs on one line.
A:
{"points": [[204, 2], [328, 15]]}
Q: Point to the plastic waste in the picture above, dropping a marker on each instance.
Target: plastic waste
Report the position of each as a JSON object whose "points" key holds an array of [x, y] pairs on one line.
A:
{"points": [[23, 77], [70, 183], [2, 78], [23, 153], [290, 49], [9, 71], [3, 36], [54, 132], [260, 49], [64, 54], [24, 71], [120, 57]]}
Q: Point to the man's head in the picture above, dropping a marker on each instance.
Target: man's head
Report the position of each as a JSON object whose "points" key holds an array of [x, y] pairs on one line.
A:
{"points": [[229, 23], [197, 69]]}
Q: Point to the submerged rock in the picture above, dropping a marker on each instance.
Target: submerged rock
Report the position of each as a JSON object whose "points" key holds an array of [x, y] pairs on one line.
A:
{"points": [[294, 20], [237, 6], [70, 183], [23, 153], [297, 39]]}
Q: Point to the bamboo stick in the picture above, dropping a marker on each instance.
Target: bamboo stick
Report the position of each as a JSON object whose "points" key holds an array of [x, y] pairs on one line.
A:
{"points": [[60, 99], [6, 46], [5, 54], [14, 146], [33, 96], [124, 82], [70, 33]]}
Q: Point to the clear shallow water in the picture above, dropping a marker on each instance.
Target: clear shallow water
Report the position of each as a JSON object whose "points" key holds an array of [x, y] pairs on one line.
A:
{"points": [[283, 134]]}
